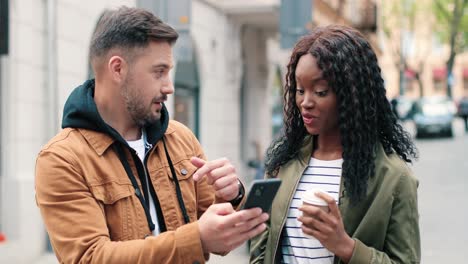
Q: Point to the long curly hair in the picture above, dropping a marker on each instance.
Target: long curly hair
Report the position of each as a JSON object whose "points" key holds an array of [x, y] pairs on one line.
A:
{"points": [[350, 67]]}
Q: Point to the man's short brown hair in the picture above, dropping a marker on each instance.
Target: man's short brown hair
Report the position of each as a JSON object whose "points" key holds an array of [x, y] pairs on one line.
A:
{"points": [[128, 28]]}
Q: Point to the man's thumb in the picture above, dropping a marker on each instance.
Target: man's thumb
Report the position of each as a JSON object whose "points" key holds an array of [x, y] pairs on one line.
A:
{"points": [[223, 208]]}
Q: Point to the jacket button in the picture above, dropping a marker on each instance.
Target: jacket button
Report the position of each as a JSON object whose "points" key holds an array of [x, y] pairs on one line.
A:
{"points": [[183, 171]]}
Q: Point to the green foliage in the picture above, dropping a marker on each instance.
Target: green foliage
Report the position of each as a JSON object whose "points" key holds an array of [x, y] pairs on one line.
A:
{"points": [[444, 11], [401, 14]]}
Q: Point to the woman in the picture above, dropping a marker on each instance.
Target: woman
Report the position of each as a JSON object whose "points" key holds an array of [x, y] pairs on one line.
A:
{"points": [[340, 136]]}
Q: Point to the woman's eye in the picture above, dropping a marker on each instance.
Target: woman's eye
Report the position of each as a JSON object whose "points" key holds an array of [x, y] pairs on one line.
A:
{"points": [[322, 93], [300, 91]]}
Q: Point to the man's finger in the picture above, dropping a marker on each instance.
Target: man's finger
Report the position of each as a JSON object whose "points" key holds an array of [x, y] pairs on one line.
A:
{"points": [[207, 167], [225, 182], [252, 223], [197, 162], [242, 216], [222, 171], [244, 236]]}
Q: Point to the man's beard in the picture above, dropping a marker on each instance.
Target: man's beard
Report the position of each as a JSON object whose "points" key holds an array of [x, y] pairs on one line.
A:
{"points": [[141, 115]]}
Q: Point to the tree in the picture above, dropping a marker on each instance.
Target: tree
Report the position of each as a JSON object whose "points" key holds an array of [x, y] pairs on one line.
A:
{"points": [[399, 24], [452, 18]]}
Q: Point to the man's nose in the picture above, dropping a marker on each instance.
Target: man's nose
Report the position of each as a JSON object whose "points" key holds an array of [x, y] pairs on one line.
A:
{"points": [[168, 87]]}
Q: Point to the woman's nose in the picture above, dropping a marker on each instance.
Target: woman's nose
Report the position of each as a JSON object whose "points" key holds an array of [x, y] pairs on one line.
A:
{"points": [[308, 101]]}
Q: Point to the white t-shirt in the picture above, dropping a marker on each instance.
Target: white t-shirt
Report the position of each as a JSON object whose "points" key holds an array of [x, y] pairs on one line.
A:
{"points": [[139, 147], [296, 248]]}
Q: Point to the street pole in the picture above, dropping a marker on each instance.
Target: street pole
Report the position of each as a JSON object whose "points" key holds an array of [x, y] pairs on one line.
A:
{"points": [[401, 66]]}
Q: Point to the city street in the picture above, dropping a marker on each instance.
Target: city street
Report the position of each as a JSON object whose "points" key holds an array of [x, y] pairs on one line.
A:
{"points": [[442, 171]]}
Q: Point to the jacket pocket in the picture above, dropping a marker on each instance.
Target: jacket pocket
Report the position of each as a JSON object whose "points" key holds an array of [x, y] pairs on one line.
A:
{"points": [[184, 170], [109, 193], [117, 202]]}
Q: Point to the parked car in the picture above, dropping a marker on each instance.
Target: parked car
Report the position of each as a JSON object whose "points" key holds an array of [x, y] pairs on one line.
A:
{"points": [[402, 107], [433, 115]]}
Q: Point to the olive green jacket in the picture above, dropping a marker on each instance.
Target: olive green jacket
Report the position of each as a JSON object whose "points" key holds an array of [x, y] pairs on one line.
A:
{"points": [[384, 224]]}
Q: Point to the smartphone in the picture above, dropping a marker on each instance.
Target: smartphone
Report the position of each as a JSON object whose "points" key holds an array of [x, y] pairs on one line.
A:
{"points": [[262, 193]]}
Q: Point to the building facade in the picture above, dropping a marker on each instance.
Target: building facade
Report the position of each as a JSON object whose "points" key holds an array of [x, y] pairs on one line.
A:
{"points": [[413, 37], [221, 93], [228, 79]]}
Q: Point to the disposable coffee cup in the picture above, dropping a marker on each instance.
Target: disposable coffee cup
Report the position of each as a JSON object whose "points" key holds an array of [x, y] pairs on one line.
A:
{"points": [[310, 198]]}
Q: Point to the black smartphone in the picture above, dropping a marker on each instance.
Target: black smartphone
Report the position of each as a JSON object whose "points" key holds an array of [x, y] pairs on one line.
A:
{"points": [[262, 193]]}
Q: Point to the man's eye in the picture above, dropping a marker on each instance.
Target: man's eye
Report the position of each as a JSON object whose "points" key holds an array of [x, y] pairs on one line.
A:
{"points": [[159, 74]]}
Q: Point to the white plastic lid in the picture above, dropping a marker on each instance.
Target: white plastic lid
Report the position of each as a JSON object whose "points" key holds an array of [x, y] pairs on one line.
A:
{"points": [[310, 198]]}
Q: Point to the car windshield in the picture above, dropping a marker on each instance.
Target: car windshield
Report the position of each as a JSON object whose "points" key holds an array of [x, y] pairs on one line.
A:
{"points": [[435, 109]]}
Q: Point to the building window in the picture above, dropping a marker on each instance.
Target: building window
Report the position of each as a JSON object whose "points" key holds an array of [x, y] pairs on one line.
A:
{"points": [[185, 107], [277, 104], [186, 95]]}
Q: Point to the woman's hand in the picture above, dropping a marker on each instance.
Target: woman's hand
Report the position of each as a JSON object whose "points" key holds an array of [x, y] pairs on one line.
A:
{"points": [[328, 227]]}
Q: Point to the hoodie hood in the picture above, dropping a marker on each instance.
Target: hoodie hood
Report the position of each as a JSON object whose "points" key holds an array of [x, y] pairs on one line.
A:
{"points": [[80, 111]]}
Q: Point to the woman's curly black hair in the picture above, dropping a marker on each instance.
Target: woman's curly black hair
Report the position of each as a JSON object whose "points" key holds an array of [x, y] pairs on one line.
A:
{"points": [[350, 67]]}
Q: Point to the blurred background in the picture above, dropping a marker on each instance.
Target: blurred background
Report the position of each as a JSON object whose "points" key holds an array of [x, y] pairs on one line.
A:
{"points": [[230, 65]]}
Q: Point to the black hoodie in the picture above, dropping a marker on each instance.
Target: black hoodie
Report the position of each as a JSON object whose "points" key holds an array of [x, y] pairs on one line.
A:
{"points": [[80, 111]]}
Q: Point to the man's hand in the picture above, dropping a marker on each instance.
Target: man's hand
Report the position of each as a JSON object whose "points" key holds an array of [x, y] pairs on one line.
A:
{"points": [[223, 229], [221, 174]]}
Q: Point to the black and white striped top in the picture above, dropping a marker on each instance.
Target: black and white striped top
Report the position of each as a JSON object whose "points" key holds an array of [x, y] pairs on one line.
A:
{"points": [[297, 249]]}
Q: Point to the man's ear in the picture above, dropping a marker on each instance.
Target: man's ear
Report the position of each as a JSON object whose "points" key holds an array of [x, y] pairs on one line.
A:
{"points": [[117, 67]]}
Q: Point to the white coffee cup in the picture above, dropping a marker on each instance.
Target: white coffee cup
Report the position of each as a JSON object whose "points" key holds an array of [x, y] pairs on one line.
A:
{"points": [[310, 198]]}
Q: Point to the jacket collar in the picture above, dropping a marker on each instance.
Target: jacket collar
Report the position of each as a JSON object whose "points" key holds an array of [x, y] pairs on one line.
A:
{"points": [[306, 150]]}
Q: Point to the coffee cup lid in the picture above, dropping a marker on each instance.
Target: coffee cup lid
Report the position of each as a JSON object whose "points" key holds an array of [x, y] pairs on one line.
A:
{"points": [[310, 198]]}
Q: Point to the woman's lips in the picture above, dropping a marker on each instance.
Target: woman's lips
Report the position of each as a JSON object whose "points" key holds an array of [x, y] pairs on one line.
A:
{"points": [[308, 120]]}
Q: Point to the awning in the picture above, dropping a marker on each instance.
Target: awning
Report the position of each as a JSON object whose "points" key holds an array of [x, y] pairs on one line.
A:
{"points": [[439, 74], [465, 73], [410, 74]]}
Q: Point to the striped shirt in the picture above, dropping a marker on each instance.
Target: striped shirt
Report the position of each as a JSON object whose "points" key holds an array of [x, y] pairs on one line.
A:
{"points": [[296, 248]]}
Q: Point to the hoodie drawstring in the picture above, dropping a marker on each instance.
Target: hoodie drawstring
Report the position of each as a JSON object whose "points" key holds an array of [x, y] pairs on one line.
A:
{"points": [[138, 192], [176, 182], [141, 196]]}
